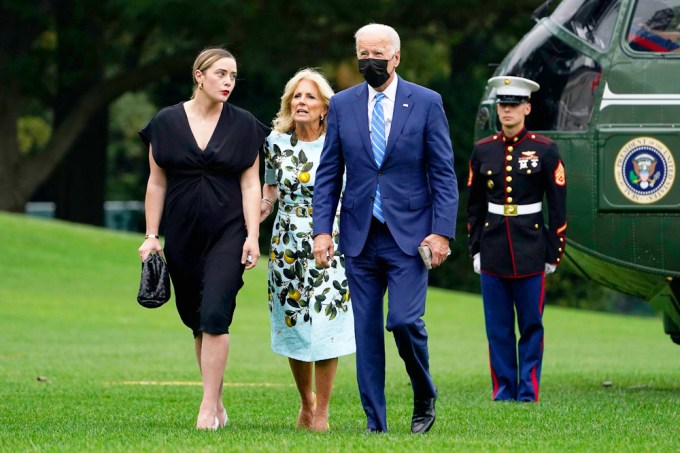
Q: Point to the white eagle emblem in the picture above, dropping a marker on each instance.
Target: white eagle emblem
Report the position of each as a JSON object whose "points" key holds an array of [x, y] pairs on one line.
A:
{"points": [[643, 175]]}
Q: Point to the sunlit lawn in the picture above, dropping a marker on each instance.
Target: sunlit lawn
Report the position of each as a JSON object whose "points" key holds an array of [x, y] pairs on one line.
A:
{"points": [[118, 377]]}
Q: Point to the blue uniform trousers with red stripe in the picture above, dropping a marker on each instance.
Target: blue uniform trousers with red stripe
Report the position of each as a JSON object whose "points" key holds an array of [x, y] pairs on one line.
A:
{"points": [[515, 367]]}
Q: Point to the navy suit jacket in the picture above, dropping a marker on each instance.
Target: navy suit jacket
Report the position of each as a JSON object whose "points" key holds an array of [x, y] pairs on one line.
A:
{"points": [[417, 181]]}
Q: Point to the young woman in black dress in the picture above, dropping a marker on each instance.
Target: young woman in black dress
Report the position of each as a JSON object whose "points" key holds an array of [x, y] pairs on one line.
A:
{"points": [[205, 184]]}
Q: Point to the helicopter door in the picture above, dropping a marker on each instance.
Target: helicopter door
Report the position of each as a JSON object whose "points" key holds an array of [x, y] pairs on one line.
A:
{"points": [[639, 138]]}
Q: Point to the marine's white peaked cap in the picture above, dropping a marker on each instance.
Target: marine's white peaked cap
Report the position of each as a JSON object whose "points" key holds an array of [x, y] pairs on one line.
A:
{"points": [[512, 90]]}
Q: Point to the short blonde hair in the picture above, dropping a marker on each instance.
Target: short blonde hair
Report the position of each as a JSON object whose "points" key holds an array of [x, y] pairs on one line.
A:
{"points": [[284, 118], [205, 59], [379, 29]]}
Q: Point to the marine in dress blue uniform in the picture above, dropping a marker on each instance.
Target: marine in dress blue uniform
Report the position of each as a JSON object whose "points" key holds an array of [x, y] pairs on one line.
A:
{"points": [[511, 173]]}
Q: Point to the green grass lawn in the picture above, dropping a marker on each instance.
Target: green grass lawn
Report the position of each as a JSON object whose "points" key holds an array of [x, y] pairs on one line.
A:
{"points": [[123, 378]]}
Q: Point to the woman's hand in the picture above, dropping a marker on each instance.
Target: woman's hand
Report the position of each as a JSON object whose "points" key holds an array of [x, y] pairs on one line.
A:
{"points": [[270, 193], [149, 246], [266, 208], [153, 208], [251, 252]]}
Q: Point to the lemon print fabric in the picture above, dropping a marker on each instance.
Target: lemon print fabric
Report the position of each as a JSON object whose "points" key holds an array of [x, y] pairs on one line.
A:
{"points": [[310, 307], [303, 177]]}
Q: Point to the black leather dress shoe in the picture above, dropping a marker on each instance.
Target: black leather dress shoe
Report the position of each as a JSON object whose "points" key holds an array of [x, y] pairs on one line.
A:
{"points": [[423, 415]]}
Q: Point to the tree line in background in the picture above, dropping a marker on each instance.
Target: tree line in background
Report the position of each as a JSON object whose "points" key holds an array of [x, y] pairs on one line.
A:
{"points": [[78, 79]]}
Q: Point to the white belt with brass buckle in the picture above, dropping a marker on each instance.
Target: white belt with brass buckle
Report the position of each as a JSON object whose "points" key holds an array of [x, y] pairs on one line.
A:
{"points": [[515, 209]]}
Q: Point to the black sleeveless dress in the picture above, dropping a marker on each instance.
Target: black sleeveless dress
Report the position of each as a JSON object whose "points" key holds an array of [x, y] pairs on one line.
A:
{"points": [[203, 213]]}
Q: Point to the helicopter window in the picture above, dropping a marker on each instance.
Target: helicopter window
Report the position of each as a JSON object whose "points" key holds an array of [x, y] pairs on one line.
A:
{"points": [[568, 82], [591, 20], [655, 27]]}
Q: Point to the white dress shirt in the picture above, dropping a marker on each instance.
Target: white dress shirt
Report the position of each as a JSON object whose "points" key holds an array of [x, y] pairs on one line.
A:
{"points": [[387, 104]]}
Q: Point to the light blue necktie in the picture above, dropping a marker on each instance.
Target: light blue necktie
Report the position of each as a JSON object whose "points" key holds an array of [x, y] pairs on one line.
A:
{"points": [[378, 143]]}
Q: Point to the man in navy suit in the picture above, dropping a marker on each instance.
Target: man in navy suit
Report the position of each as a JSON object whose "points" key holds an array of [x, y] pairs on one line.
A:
{"points": [[391, 137]]}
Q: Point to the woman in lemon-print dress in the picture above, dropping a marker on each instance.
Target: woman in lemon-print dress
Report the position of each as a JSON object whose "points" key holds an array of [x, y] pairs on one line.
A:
{"points": [[311, 312]]}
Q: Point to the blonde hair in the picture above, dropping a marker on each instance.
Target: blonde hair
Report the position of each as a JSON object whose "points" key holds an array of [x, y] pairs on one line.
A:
{"points": [[205, 59], [379, 29], [284, 118]]}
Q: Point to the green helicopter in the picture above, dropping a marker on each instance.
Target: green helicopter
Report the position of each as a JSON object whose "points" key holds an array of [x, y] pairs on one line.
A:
{"points": [[609, 72]]}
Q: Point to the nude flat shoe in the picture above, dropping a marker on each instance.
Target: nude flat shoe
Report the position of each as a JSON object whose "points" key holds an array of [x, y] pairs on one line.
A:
{"points": [[324, 429], [298, 424], [225, 417], [211, 428]]}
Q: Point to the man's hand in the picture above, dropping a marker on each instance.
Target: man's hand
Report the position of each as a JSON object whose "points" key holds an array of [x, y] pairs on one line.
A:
{"points": [[439, 246], [323, 249], [477, 263]]}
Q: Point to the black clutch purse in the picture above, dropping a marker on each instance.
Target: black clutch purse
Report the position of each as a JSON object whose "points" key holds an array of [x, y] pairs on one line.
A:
{"points": [[154, 287]]}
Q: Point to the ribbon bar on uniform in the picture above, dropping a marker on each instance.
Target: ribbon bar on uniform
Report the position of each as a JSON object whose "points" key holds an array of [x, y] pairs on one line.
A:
{"points": [[515, 209]]}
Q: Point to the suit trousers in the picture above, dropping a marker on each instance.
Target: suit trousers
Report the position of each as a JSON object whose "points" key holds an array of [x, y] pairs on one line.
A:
{"points": [[515, 367], [382, 266]]}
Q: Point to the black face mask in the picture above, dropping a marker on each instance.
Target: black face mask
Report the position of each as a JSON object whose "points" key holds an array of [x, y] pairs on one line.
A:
{"points": [[374, 71]]}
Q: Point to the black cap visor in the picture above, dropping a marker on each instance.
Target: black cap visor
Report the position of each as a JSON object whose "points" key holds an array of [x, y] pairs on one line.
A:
{"points": [[511, 99]]}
